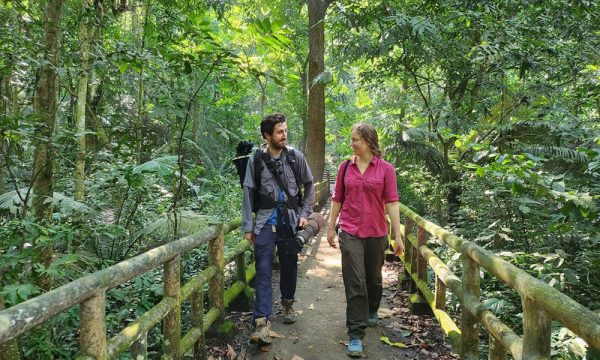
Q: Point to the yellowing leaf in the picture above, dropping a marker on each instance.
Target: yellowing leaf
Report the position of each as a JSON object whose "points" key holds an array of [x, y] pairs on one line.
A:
{"points": [[386, 340]]}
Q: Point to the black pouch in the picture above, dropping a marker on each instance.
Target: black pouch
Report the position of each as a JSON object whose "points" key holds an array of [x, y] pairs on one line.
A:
{"points": [[291, 243], [337, 228]]}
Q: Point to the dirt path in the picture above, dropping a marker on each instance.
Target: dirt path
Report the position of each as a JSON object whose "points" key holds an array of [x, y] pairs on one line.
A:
{"points": [[320, 331]]}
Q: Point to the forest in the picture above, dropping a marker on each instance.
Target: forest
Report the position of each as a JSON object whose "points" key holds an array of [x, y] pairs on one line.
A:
{"points": [[119, 120]]}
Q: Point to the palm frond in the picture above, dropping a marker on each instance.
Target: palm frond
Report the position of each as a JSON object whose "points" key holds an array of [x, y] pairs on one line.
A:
{"points": [[63, 204], [418, 134], [189, 222], [532, 132], [428, 154], [557, 152]]}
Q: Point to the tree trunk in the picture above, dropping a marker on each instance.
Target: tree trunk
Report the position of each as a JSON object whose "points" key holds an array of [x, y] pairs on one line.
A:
{"points": [[84, 39], [44, 106], [5, 100], [303, 111], [140, 115], [315, 135]]}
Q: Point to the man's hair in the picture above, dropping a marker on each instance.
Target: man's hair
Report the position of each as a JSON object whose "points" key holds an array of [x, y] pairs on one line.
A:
{"points": [[369, 134], [267, 125]]}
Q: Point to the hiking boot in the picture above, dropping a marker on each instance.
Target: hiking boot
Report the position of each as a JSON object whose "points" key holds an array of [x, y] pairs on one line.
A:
{"points": [[373, 319], [355, 348], [289, 315], [262, 332]]}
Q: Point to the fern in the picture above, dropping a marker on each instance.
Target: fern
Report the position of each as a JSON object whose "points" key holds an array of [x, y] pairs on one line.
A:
{"points": [[557, 152], [63, 204], [428, 154]]}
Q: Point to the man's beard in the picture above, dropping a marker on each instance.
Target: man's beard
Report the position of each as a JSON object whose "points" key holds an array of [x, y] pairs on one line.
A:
{"points": [[278, 145]]}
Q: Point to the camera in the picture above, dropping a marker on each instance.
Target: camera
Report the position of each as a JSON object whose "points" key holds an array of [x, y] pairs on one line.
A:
{"points": [[315, 223]]}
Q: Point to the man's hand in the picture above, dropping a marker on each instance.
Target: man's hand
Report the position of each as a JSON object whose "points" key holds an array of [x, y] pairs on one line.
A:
{"points": [[398, 245], [331, 237], [303, 222], [249, 236]]}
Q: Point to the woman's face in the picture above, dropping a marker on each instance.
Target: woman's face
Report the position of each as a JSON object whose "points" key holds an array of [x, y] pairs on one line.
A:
{"points": [[359, 145]]}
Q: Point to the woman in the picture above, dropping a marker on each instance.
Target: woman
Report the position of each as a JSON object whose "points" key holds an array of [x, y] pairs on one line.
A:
{"points": [[365, 189]]}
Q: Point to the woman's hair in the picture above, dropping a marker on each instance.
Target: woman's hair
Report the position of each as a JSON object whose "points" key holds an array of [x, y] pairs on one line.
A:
{"points": [[369, 134]]}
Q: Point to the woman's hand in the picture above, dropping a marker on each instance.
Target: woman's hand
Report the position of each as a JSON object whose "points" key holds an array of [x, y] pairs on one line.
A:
{"points": [[398, 245], [331, 236]]}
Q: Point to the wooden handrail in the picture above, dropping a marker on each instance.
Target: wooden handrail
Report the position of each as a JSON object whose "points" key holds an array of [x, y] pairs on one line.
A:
{"points": [[89, 291], [541, 302]]}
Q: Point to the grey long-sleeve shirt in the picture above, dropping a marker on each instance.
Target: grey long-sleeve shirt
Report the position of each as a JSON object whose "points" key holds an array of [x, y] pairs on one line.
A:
{"points": [[270, 188]]}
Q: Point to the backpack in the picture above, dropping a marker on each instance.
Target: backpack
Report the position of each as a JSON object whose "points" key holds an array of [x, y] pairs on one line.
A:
{"points": [[242, 154]]}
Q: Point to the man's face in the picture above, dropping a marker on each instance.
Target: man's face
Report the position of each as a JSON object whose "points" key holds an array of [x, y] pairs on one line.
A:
{"points": [[279, 138]]}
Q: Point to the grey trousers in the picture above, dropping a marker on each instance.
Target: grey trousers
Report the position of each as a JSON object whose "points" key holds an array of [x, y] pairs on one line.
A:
{"points": [[362, 260]]}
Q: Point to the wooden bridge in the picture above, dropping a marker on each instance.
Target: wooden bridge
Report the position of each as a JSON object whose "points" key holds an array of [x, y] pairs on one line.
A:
{"points": [[541, 303]]}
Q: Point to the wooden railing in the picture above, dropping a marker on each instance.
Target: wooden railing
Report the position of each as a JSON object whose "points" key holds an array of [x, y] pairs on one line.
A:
{"points": [[90, 293], [541, 303]]}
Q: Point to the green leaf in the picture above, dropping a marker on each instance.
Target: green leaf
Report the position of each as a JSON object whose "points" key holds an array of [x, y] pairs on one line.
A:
{"points": [[524, 209], [123, 67], [164, 165], [397, 344], [19, 292]]}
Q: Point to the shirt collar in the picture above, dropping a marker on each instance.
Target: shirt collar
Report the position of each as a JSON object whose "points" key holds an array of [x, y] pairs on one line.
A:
{"points": [[374, 161]]}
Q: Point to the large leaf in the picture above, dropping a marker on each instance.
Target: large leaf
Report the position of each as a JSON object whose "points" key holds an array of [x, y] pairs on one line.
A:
{"points": [[64, 204], [164, 166]]}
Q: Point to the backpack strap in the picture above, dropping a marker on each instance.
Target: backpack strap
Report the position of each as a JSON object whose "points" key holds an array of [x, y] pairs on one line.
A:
{"points": [[343, 184], [258, 167], [291, 159]]}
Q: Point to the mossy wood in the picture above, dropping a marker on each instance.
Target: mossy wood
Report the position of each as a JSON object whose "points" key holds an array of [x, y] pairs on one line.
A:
{"points": [[89, 292], [541, 302]]}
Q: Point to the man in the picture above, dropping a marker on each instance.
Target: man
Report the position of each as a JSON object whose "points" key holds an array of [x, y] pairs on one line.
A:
{"points": [[279, 209]]}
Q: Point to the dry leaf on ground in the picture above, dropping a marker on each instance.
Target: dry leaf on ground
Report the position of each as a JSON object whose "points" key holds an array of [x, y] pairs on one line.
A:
{"points": [[276, 335], [230, 352]]}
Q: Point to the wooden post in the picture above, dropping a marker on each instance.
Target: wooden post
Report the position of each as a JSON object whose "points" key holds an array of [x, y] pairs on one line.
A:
{"points": [[440, 294], [92, 327], [407, 281], [216, 290], [139, 349], [497, 351], [8, 350], [197, 300], [420, 261], [172, 322], [536, 331], [418, 304], [471, 292], [240, 266]]}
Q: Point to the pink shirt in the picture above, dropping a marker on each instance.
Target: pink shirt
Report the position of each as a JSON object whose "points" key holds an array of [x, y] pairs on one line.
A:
{"points": [[363, 209]]}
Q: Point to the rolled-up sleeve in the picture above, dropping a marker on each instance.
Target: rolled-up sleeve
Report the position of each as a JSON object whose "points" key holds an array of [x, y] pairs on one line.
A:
{"points": [[390, 191]]}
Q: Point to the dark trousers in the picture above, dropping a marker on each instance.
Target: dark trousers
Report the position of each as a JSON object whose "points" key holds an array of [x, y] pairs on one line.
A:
{"points": [[288, 272], [362, 260]]}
